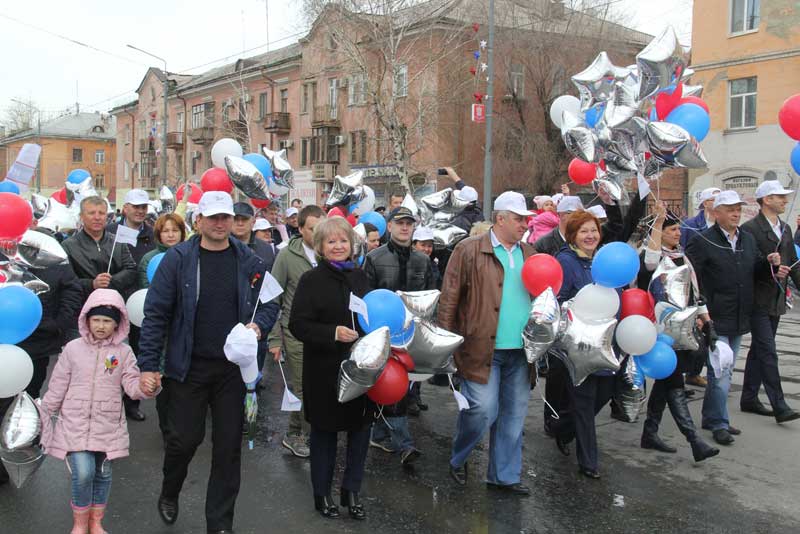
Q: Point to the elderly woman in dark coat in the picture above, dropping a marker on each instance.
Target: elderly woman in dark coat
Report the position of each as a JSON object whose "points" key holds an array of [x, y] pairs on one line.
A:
{"points": [[322, 320]]}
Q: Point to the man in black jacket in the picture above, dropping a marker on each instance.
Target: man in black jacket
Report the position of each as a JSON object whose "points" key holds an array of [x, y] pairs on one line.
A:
{"points": [[771, 235], [397, 267], [134, 213], [726, 261], [473, 212], [243, 221]]}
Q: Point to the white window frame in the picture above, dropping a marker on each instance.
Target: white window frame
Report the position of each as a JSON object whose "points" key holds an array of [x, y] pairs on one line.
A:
{"points": [[400, 81], [744, 30], [127, 134], [516, 78], [179, 122], [126, 170], [333, 97], [100, 157], [357, 90], [743, 96]]}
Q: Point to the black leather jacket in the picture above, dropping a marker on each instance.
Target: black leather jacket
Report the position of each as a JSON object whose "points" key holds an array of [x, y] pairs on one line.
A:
{"points": [[90, 258], [383, 269]]}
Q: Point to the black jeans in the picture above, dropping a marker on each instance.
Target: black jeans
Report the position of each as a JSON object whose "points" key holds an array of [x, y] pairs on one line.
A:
{"points": [[323, 459], [556, 390], [762, 362], [216, 383], [40, 365]]}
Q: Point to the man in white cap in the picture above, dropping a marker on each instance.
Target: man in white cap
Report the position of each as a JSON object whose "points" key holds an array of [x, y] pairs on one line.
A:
{"points": [[292, 226], [262, 230], [134, 213], [552, 242], [484, 300], [726, 261], [473, 212], [203, 288], [771, 235], [704, 218]]}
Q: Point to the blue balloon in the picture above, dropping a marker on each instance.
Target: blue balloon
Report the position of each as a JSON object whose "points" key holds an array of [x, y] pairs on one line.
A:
{"points": [[261, 163], [795, 158], [375, 219], [615, 265], [155, 261], [7, 186], [659, 363], [593, 115], [664, 338], [20, 313], [77, 176], [404, 337], [691, 118], [385, 308], [797, 251], [653, 115]]}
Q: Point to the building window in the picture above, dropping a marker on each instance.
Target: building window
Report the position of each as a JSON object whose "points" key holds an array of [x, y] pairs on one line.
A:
{"points": [[512, 150], [126, 171], [304, 152], [225, 114], [179, 122], [362, 143], [745, 15], [284, 101], [742, 103], [99, 181], [195, 163], [77, 155], [401, 80], [517, 80], [332, 44], [358, 146], [179, 164], [143, 129], [127, 134], [262, 105], [353, 146], [333, 97], [203, 115], [304, 99], [357, 90], [100, 157]]}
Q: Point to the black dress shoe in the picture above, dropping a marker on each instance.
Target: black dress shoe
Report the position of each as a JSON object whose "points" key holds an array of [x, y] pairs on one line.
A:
{"points": [[589, 473], [422, 406], [723, 437], [563, 446], [733, 431], [459, 474], [756, 407], [353, 503], [786, 416], [516, 489], [326, 507], [135, 414], [168, 510]]}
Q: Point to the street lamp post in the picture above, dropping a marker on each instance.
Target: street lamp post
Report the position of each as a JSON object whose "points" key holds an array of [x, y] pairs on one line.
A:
{"points": [[165, 119], [38, 141]]}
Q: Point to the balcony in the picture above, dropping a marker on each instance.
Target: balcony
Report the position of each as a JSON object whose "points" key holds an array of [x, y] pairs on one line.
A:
{"points": [[326, 115], [144, 145], [202, 136], [175, 140], [277, 123]]}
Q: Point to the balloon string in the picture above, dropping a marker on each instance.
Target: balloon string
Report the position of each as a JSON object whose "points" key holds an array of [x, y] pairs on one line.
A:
{"points": [[541, 393], [380, 415]]}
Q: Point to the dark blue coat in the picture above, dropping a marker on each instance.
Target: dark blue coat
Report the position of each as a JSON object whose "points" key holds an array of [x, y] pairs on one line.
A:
{"points": [[693, 226], [172, 301], [577, 273]]}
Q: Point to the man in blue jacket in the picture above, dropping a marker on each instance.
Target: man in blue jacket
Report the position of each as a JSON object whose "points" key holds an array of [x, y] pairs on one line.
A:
{"points": [[202, 289], [703, 220]]}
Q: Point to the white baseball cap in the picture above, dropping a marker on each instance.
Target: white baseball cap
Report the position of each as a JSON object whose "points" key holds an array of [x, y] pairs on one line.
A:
{"points": [[137, 197], [771, 187], [291, 212], [423, 233], [597, 211], [557, 198], [261, 224], [467, 194], [707, 194], [241, 348], [513, 202], [728, 198], [215, 203], [541, 199], [568, 204]]}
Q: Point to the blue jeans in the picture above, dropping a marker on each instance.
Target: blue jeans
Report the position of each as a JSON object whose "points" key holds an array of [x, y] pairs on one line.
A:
{"points": [[399, 437], [499, 406], [91, 478], [715, 403]]}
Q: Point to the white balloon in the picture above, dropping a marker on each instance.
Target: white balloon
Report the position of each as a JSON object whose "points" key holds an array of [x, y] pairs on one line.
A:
{"points": [[225, 147], [564, 103], [17, 370], [135, 307], [367, 203], [636, 334], [595, 302]]}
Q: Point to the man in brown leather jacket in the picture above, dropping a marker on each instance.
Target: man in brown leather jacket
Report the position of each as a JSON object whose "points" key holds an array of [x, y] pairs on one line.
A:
{"points": [[483, 299]]}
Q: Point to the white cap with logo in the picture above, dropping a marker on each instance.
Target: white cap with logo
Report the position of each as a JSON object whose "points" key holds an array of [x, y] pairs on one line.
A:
{"points": [[423, 233], [568, 204], [215, 203], [707, 194], [467, 194], [728, 198], [291, 212], [261, 224], [772, 187], [137, 197], [513, 202]]}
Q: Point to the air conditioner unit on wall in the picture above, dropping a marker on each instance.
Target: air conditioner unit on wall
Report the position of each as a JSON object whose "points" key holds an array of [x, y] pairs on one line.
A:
{"points": [[286, 143], [340, 140], [247, 98], [195, 154]]}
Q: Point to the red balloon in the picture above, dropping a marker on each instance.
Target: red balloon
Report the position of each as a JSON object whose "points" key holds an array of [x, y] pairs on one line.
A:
{"points": [[637, 302], [60, 196], [336, 212], [15, 216], [352, 220], [215, 179], [582, 173], [391, 386], [602, 164], [259, 204], [666, 102], [789, 117], [404, 358], [541, 271], [194, 197], [694, 100]]}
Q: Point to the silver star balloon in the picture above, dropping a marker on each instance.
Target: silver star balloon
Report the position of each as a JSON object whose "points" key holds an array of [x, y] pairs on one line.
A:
{"points": [[579, 138], [543, 322], [680, 325], [585, 347], [282, 171], [693, 90], [421, 304], [60, 218], [247, 178], [622, 107], [431, 346], [346, 189], [167, 199], [691, 156], [77, 192], [372, 350], [447, 235], [39, 251], [596, 83], [629, 395], [614, 189], [22, 463], [671, 283], [21, 424], [14, 274], [445, 201], [39, 204], [661, 63]]}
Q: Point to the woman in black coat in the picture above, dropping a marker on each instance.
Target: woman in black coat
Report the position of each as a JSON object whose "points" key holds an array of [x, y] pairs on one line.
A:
{"points": [[322, 320]]}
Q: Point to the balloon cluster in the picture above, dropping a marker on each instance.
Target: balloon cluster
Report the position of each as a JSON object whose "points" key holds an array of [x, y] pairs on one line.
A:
{"points": [[437, 212], [789, 119], [351, 195], [19, 432], [634, 120]]}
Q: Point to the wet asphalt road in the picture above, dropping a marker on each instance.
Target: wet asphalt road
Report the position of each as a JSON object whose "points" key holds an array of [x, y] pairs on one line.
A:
{"points": [[752, 487]]}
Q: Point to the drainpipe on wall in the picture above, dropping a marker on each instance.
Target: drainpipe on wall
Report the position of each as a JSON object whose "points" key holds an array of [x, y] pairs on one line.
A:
{"points": [[185, 144], [271, 83], [133, 149]]}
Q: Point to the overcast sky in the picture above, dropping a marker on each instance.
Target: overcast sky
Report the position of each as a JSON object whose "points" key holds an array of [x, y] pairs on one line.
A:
{"points": [[45, 68]]}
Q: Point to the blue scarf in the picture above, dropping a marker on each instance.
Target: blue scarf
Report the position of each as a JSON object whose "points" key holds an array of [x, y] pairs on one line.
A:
{"points": [[343, 265]]}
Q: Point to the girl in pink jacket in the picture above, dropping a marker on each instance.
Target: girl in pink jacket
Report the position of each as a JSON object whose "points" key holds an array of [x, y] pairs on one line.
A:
{"points": [[85, 397]]}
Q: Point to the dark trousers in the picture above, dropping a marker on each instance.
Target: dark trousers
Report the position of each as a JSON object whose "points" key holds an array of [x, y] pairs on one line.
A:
{"points": [[40, 365], [216, 383], [133, 341], [556, 390], [323, 459], [762, 362], [576, 417]]}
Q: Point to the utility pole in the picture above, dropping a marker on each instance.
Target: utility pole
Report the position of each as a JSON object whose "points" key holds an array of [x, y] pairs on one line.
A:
{"points": [[487, 156], [38, 140], [165, 118]]}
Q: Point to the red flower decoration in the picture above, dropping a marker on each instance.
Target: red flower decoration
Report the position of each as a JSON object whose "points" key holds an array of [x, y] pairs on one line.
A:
{"points": [[478, 97], [476, 27], [473, 70]]}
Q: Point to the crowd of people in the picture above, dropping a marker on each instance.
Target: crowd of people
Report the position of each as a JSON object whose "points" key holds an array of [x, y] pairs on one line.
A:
{"points": [[209, 280]]}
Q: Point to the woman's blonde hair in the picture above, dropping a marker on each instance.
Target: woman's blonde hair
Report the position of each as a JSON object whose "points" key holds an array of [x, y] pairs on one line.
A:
{"points": [[479, 228], [329, 226]]}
